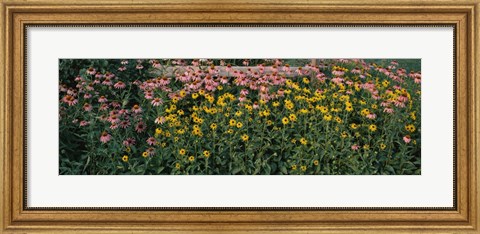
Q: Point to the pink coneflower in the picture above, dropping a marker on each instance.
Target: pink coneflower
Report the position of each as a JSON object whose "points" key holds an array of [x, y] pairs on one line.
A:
{"points": [[287, 68], [122, 68], [103, 107], [151, 141], [403, 98], [388, 110], [300, 71], [355, 147], [107, 82], [242, 98], [120, 85], [63, 88], [281, 92], [210, 87], [98, 75], [91, 71], [338, 72], [114, 126], [113, 119], [139, 67], [157, 101], [337, 80], [87, 107], [105, 137], [137, 109], [356, 70], [90, 87], [148, 94], [164, 81], [399, 104], [150, 151], [244, 92], [124, 124], [102, 99], [70, 100], [84, 123], [109, 75], [115, 104], [128, 142], [78, 79], [371, 116], [140, 127], [160, 120], [407, 139], [224, 80], [156, 64], [72, 92]]}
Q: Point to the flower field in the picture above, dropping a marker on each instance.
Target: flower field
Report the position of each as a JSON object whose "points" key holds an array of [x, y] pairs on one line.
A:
{"points": [[240, 116]]}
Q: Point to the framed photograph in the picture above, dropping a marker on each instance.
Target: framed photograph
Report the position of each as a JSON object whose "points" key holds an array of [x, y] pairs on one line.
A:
{"points": [[239, 116]]}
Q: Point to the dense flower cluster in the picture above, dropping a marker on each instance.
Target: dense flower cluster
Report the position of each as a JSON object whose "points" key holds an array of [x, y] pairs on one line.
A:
{"points": [[210, 117]]}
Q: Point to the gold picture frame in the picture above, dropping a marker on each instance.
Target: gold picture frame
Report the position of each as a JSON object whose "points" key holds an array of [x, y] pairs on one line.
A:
{"points": [[17, 14]]}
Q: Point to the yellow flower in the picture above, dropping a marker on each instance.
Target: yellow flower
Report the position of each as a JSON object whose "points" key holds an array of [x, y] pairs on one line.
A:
{"points": [[372, 127], [349, 108], [177, 165], [128, 149], [145, 154], [191, 158], [182, 151], [303, 168], [213, 126], [327, 117], [354, 126], [194, 95], [294, 167], [344, 134], [292, 117], [303, 111], [125, 158], [293, 141], [285, 121], [232, 122], [206, 153], [183, 93], [383, 146], [276, 104], [338, 119], [239, 125], [303, 141], [322, 109], [413, 116], [315, 162], [238, 113], [306, 80], [245, 137], [410, 128], [230, 131]]}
